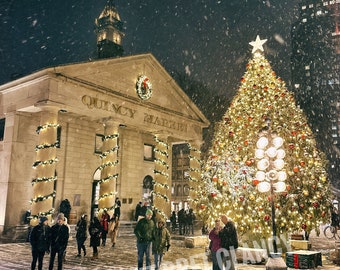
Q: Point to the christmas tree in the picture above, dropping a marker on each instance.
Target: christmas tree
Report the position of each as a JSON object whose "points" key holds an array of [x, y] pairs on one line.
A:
{"points": [[231, 180]]}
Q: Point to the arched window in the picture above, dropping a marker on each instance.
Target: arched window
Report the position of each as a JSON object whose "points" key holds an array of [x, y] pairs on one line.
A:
{"points": [[95, 193], [179, 190], [186, 190]]}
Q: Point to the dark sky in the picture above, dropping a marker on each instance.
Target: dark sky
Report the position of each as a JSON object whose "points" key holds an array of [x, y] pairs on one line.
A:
{"points": [[206, 39]]}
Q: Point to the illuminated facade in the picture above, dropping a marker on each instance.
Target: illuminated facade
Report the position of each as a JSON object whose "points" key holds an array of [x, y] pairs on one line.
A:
{"points": [[90, 133], [316, 77], [109, 30]]}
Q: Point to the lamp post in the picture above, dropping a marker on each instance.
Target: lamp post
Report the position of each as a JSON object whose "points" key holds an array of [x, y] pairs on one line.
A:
{"points": [[270, 171]]}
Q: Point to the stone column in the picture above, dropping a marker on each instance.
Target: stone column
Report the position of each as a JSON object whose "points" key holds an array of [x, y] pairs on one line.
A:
{"points": [[45, 164], [160, 195], [109, 167], [195, 170]]}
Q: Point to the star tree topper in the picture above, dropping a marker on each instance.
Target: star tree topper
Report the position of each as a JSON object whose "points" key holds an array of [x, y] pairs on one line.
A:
{"points": [[257, 44]]}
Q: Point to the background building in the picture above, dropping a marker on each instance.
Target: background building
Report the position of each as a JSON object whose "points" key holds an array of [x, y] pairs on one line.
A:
{"points": [[315, 75]]}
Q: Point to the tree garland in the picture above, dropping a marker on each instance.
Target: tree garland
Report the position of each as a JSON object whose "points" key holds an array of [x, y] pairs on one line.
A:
{"points": [[46, 162], [40, 214], [39, 128], [110, 163], [47, 145], [43, 179], [106, 153], [108, 178], [43, 198]]}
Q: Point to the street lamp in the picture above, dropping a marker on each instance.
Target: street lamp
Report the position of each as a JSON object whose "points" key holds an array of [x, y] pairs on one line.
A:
{"points": [[270, 171]]}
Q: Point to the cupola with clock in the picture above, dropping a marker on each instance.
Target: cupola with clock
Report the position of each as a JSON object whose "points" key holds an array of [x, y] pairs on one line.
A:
{"points": [[109, 30]]}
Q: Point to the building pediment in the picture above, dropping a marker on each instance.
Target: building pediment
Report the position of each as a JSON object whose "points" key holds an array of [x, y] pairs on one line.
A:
{"points": [[107, 89], [119, 76]]}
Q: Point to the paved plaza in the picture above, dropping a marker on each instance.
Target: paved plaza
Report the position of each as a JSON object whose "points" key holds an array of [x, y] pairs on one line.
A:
{"points": [[17, 256]]}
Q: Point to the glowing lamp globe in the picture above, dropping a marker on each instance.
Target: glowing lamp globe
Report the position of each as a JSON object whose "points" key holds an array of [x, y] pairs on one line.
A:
{"points": [[279, 164], [271, 152], [259, 153], [279, 186], [280, 153], [282, 176], [272, 175], [277, 141], [262, 143], [260, 175], [263, 187], [263, 164]]}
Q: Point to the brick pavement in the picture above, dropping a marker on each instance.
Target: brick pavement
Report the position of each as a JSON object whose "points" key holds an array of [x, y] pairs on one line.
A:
{"points": [[17, 256]]}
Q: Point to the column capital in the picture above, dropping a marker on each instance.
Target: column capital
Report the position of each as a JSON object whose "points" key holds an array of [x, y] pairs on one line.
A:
{"points": [[47, 106]]}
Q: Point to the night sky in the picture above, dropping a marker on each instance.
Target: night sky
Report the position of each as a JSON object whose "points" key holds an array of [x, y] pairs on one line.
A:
{"points": [[206, 39]]}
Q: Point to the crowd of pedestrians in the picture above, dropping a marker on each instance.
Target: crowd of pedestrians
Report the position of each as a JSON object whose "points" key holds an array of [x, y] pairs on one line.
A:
{"points": [[152, 236], [183, 221], [53, 240]]}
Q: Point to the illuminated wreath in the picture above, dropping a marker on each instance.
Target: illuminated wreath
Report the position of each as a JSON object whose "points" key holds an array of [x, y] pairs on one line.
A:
{"points": [[144, 87]]}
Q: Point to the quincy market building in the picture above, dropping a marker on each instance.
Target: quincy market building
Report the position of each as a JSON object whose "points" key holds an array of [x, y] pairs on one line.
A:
{"points": [[89, 133]]}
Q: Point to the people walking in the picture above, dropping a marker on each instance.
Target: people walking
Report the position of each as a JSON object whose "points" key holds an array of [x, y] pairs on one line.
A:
{"points": [[69, 233], [81, 234], [143, 209], [113, 229], [144, 233], [229, 243], [118, 204], [138, 210], [190, 219], [181, 221], [104, 222], [215, 243], [160, 242], [40, 242], [95, 230], [173, 220], [59, 240]]}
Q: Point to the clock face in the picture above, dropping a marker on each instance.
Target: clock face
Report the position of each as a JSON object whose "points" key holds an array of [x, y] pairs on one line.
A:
{"points": [[144, 87]]}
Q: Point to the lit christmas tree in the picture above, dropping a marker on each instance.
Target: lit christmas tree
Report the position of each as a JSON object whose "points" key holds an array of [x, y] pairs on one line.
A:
{"points": [[230, 177]]}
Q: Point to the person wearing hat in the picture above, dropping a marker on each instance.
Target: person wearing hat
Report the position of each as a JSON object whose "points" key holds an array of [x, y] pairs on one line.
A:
{"points": [[229, 243], [144, 233], [40, 242], [59, 240], [160, 242]]}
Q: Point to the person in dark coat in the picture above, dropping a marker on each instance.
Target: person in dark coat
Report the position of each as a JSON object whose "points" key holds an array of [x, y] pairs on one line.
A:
{"points": [[81, 234], [95, 231], [118, 204], [138, 210], [173, 220], [59, 240], [40, 242], [181, 221], [144, 234], [229, 242], [143, 209], [190, 219]]}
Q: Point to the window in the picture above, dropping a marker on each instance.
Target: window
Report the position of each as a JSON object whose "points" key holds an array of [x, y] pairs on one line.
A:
{"points": [[98, 147], [2, 128], [58, 137], [179, 190], [186, 190], [149, 154]]}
